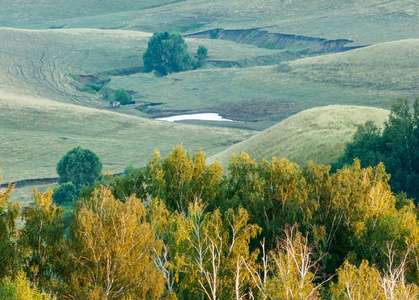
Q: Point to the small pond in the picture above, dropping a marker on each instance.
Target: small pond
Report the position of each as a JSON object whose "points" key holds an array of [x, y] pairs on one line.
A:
{"points": [[202, 117]]}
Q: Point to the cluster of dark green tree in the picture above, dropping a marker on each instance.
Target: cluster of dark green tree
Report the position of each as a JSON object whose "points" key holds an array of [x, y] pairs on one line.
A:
{"points": [[397, 146], [77, 168], [168, 53], [182, 230]]}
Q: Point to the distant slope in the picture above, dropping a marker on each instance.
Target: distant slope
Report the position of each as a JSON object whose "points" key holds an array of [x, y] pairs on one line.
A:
{"points": [[40, 62], [365, 22], [18, 13], [36, 132], [317, 134], [39, 121], [393, 65], [263, 96]]}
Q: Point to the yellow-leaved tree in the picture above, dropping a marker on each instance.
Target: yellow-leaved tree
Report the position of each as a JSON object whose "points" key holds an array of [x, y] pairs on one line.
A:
{"points": [[211, 250], [9, 213], [366, 282], [112, 250], [20, 289], [181, 177], [294, 269], [41, 240]]}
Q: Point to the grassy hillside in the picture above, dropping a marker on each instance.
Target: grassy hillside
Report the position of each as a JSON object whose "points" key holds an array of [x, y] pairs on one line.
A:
{"points": [[38, 90], [366, 22], [388, 66], [41, 62], [317, 134], [262, 96], [37, 132]]}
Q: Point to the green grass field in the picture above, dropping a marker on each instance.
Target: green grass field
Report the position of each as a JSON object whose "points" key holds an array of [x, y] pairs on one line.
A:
{"points": [[259, 96], [392, 66], [317, 134]]}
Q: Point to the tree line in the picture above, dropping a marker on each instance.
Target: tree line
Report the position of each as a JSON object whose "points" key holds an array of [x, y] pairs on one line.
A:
{"points": [[183, 229], [396, 145]]}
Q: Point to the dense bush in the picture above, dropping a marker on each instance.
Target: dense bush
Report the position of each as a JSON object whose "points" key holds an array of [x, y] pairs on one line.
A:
{"points": [[200, 57], [120, 95], [94, 86]]}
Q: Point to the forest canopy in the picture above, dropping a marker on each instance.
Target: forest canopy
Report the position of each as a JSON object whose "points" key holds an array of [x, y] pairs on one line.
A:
{"points": [[182, 229]]}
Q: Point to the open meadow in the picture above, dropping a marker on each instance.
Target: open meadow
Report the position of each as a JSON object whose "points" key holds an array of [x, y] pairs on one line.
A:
{"points": [[262, 96]]}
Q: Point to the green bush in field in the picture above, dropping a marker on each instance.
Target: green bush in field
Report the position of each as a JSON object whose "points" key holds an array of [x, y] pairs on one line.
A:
{"points": [[200, 57], [65, 193], [121, 95], [167, 53], [94, 86]]}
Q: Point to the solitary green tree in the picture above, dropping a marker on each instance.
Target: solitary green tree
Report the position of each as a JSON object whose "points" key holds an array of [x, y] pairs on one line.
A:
{"points": [[79, 166], [167, 53]]}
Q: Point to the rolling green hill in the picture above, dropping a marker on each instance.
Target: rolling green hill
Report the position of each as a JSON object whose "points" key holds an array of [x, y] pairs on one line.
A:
{"points": [[37, 132], [41, 61], [258, 96], [389, 66], [317, 134], [34, 79]]}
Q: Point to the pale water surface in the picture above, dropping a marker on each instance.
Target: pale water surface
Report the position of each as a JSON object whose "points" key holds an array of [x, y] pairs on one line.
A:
{"points": [[203, 117]]}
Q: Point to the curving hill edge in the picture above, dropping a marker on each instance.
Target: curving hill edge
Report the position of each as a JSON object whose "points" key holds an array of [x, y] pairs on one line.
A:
{"points": [[318, 134]]}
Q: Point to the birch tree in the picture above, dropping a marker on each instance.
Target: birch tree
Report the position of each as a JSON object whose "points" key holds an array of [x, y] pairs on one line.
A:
{"points": [[9, 213], [214, 246], [112, 248], [41, 240], [181, 177], [294, 269]]}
